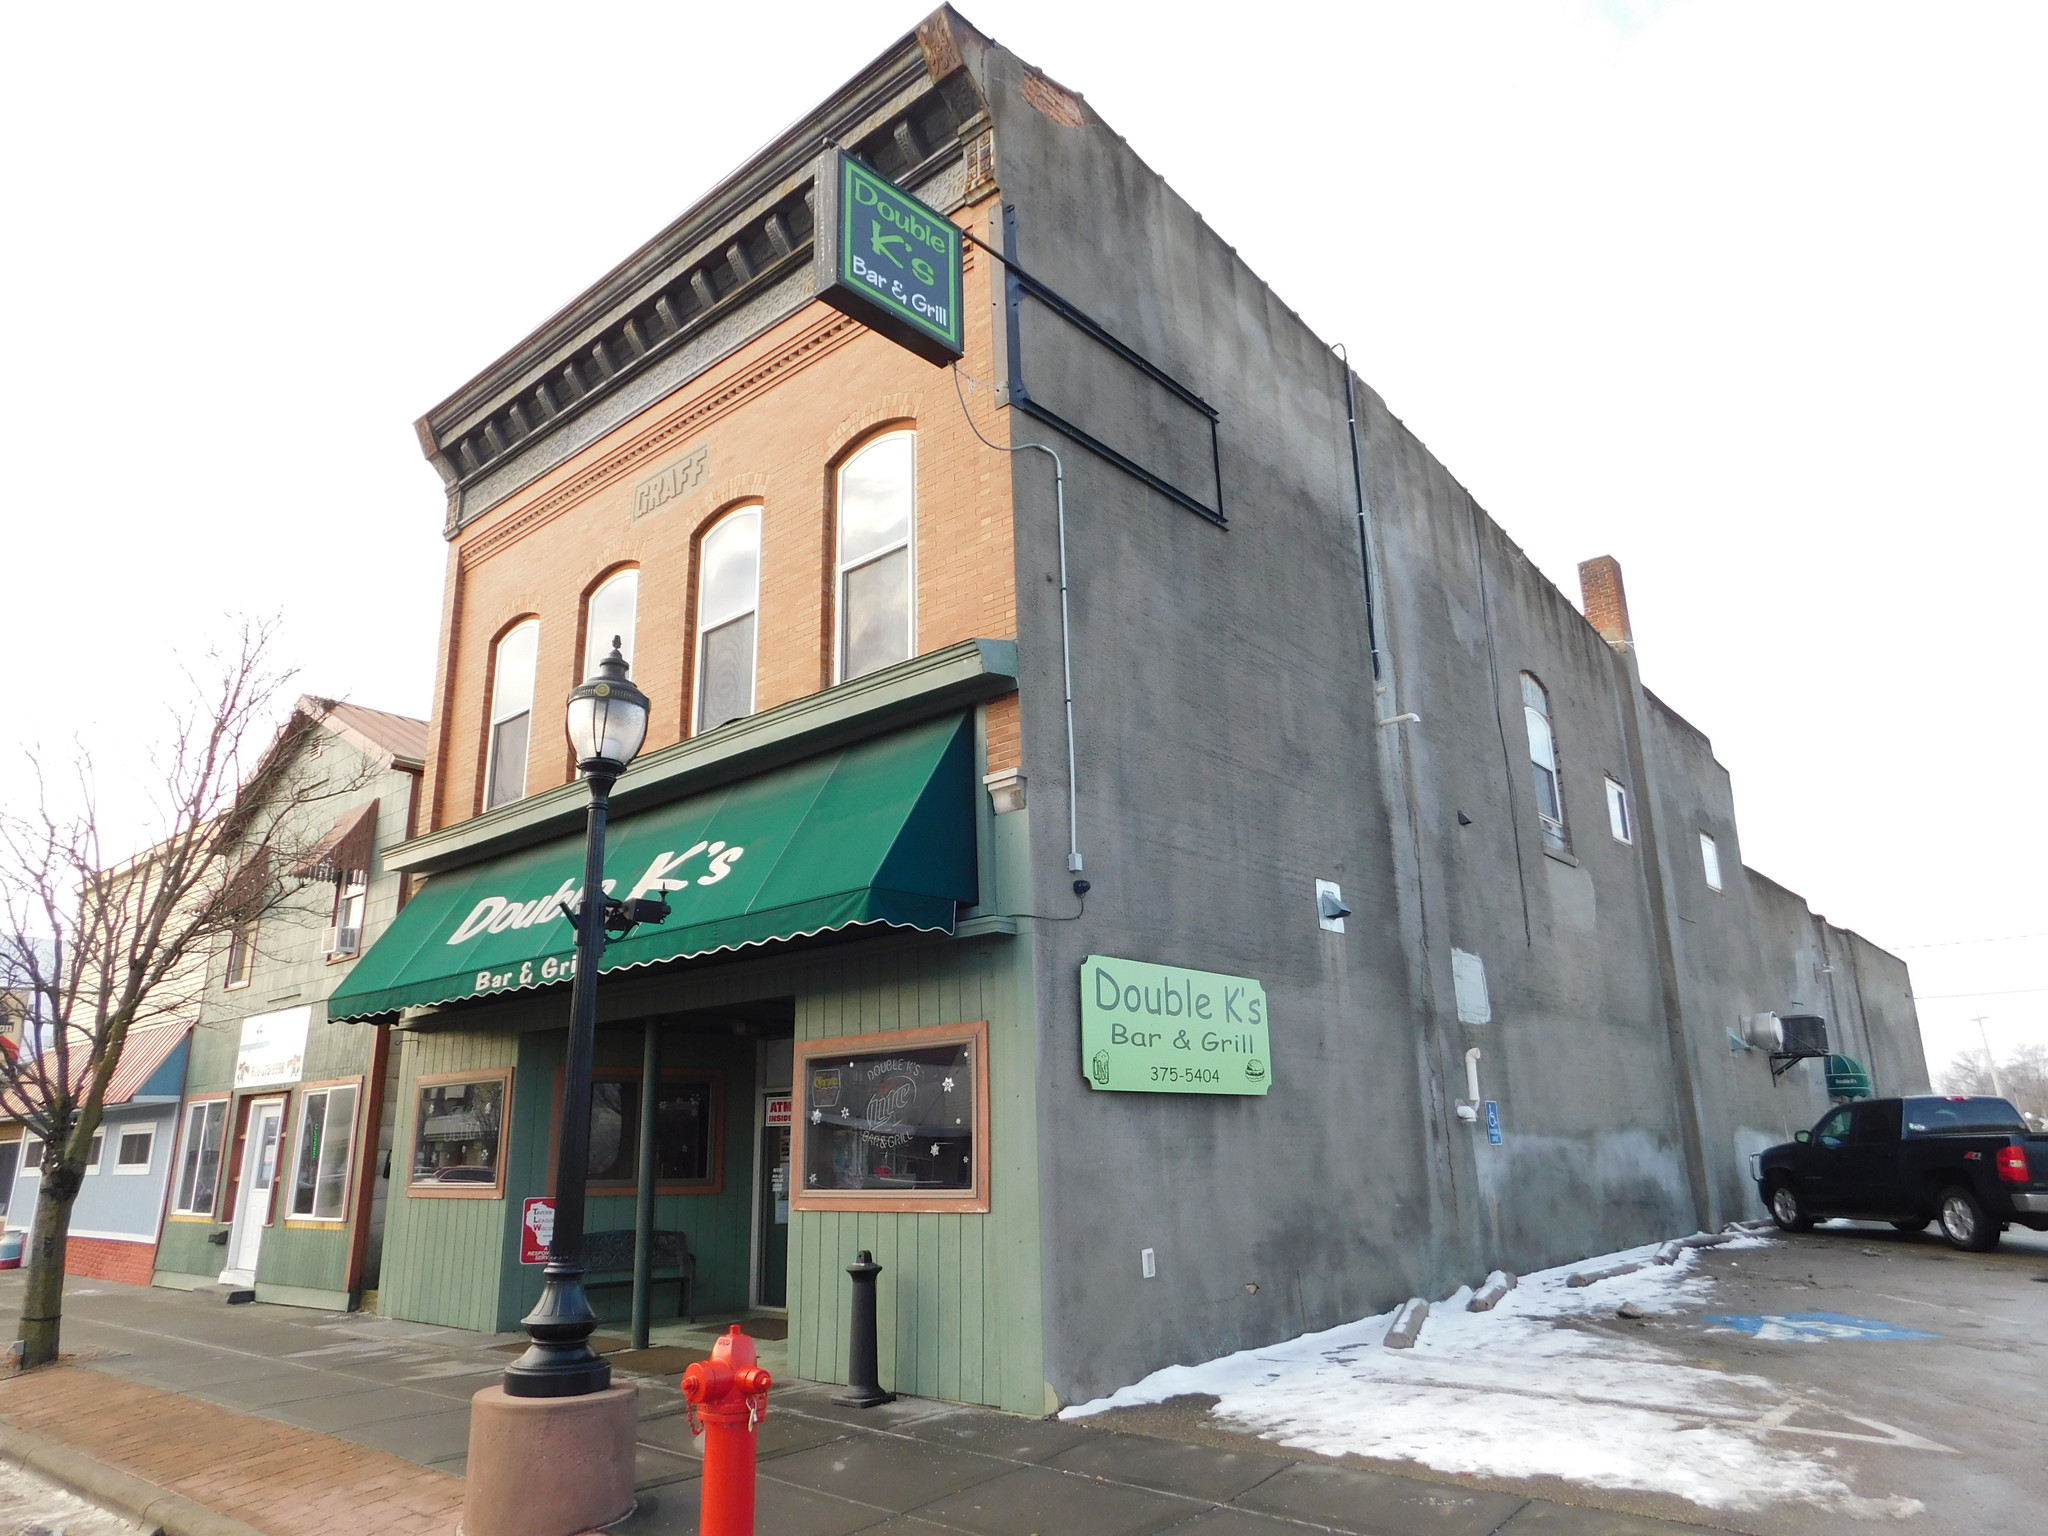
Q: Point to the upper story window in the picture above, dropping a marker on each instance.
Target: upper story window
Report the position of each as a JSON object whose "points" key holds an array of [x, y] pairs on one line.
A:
{"points": [[1618, 821], [351, 900], [1543, 760], [728, 598], [877, 516], [1710, 861], [610, 612], [241, 955], [511, 714]]}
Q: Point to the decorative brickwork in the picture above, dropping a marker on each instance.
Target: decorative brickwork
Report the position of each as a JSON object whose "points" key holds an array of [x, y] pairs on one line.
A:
{"points": [[109, 1258], [774, 417]]}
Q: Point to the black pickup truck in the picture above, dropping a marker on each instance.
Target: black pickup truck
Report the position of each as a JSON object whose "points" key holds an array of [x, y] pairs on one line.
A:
{"points": [[1969, 1163]]}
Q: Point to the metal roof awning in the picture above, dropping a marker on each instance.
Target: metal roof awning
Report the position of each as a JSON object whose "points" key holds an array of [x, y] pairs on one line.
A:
{"points": [[878, 833]]}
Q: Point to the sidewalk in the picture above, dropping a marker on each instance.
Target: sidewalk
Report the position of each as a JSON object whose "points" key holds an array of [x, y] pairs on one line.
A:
{"points": [[303, 1423]]}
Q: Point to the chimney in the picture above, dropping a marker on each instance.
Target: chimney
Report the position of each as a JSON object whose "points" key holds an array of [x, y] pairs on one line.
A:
{"points": [[1605, 601]]}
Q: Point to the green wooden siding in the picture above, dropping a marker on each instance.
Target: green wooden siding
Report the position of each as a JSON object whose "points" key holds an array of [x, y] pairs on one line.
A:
{"points": [[436, 1251], [960, 1294]]}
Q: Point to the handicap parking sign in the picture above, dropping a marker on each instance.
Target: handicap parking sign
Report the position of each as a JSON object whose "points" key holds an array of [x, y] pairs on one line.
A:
{"points": [[1814, 1327], [1493, 1121]]}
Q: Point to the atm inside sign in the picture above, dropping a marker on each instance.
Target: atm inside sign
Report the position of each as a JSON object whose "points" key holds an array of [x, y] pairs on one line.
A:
{"points": [[888, 260]]}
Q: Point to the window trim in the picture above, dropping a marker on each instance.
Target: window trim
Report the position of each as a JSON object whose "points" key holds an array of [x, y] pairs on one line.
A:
{"points": [[193, 1105], [242, 939], [22, 1169], [496, 1191], [966, 1202], [698, 632], [1559, 841], [296, 1124], [1710, 864], [606, 1188], [492, 720], [1617, 799], [840, 569], [132, 1170]]}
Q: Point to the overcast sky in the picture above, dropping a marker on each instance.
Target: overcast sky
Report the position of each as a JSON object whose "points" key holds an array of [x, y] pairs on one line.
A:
{"points": [[1748, 295]]}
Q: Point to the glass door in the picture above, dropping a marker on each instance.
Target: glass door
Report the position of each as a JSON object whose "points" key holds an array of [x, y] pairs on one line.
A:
{"points": [[774, 1202], [259, 1179]]}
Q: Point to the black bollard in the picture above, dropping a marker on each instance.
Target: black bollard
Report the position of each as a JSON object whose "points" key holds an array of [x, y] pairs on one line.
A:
{"points": [[863, 1379]]}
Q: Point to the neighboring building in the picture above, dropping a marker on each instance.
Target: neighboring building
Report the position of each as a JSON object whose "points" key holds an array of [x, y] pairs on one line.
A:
{"points": [[279, 1182], [120, 1207], [1338, 743]]}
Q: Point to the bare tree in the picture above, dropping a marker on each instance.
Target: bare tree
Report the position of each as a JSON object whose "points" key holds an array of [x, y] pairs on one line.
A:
{"points": [[2023, 1075], [96, 948]]}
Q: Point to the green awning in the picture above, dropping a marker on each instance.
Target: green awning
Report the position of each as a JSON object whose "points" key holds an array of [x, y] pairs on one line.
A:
{"points": [[882, 832], [1847, 1078]]}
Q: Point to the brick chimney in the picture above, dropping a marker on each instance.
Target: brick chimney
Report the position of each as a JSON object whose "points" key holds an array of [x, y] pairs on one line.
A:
{"points": [[1605, 600]]}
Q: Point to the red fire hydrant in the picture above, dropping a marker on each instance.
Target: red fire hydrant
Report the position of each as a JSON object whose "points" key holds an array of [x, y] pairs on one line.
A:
{"points": [[727, 1396]]}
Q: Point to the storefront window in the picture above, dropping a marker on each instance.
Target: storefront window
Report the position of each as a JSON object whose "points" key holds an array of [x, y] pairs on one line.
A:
{"points": [[327, 1125], [888, 1120], [199, 1161], [684, 1131], [459, 1137]]}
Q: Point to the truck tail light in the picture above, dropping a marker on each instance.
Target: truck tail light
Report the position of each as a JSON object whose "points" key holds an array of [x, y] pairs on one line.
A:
{"points": [[2012, 1166]]}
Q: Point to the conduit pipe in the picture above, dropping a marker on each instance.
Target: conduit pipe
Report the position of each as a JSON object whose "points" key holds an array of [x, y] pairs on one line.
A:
{"points": [[1059, 490]]}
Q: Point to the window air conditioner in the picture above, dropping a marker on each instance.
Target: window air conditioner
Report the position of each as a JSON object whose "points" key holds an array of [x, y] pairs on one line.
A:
{"points": [[344, 941]]}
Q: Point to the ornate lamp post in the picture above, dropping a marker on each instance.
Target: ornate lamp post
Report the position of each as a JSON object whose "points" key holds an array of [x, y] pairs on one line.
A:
{"points": [[607, 722]]}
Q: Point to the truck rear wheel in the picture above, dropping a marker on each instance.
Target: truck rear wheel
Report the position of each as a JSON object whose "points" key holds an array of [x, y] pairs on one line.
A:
{"points": [[1964, 1223], [1788, 1210]]}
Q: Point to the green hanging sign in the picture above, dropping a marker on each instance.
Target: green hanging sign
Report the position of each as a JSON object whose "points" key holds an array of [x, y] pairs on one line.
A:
{"points": [[1161, 1029], [887, 260]]}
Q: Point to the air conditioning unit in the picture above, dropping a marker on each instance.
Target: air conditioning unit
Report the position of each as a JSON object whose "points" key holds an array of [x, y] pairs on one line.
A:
{"points": [[344, 941], [1763, 1031], [1806, 1034]]}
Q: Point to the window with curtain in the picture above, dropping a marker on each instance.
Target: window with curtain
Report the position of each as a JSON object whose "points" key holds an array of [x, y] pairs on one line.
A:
{"points": [[877, 515], [610, 611], [511, 714], [1543, 760], [327, 1125], [728, 597]]}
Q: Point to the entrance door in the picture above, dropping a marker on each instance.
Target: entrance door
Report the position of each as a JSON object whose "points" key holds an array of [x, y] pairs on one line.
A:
{"points": [[259, 1179], [774, 1202]]}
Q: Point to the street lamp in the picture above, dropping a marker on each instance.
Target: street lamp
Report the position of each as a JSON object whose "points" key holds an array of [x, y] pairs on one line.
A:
{"points": [[607, 722]]}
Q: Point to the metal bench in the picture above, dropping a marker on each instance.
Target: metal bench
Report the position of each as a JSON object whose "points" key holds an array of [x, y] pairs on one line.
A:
{"points": [[610, 1255]]}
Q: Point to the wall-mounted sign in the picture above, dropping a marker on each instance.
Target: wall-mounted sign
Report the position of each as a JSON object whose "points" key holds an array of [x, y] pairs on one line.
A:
{"points": [[273, 1048], [886, 259], [779, 1110], [536, 1229], [1493, 1122], [1160, 1029]]}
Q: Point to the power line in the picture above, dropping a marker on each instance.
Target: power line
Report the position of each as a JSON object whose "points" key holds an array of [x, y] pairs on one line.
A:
{"points": [[1942, 997], [2009, 938]]}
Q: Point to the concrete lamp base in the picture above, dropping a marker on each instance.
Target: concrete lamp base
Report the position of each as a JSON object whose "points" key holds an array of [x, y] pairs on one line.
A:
{"points": [[549, 1466]]}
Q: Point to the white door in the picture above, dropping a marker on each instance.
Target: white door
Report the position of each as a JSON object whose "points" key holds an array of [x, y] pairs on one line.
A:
{"points": [[259, 1178]]}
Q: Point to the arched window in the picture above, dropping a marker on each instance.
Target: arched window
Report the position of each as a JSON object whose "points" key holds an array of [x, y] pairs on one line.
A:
{"points": [[1543, 759], [511, 714], [877, 507], [728, 593], [608, 612]]}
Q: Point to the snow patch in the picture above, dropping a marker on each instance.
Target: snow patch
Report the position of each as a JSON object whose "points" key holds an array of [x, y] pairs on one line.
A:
{"points": [[1521, 1392]]}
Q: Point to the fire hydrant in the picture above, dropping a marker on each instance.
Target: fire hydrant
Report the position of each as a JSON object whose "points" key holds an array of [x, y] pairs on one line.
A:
{"points": [[727, 1395]]}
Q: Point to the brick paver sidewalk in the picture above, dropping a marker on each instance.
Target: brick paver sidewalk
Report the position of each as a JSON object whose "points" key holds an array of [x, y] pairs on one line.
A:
{"points": [[290, 1481]]}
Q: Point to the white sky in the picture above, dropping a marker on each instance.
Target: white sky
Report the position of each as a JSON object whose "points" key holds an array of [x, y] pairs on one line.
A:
{"points": [[1748, 295]]}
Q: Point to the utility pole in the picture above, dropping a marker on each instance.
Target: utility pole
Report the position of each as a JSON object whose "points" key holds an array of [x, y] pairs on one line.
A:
{"points": [[1997, 1083]]}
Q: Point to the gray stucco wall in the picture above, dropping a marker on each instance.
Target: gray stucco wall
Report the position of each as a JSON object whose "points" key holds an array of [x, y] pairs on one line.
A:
{"points": [[1229, 755]]}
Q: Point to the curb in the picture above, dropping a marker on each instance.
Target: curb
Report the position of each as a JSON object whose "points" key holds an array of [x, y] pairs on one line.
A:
{"points": [[158, 1509]]}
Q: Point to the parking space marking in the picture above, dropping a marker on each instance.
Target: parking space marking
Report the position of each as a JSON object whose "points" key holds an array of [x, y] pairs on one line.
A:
{"points": [[1813, 1327]]}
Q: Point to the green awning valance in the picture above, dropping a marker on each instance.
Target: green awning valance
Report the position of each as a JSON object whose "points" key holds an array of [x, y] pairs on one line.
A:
{"points": [[1847, 1078], [882, 832]]}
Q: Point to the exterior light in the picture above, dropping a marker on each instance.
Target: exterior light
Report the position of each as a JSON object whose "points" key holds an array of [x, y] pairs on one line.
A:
{"points": [[607, 719]]}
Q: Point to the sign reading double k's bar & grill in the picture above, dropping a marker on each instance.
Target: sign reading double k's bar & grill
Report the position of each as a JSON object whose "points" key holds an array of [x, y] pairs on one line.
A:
{"points": [[887, 260], [1160, 1029]]}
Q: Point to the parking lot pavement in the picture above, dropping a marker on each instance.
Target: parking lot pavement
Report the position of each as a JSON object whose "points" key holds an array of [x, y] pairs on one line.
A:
{"points": [[29, 1503], [1806, 1384]]}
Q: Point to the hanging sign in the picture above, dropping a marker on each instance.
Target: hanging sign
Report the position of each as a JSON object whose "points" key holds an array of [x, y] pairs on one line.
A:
{"points": [[536, 1229], [1160, 1029], [887, 260]]}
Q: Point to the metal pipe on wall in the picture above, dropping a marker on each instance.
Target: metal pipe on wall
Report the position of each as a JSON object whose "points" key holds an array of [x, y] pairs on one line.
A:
{"points": [[643, 1193]]}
